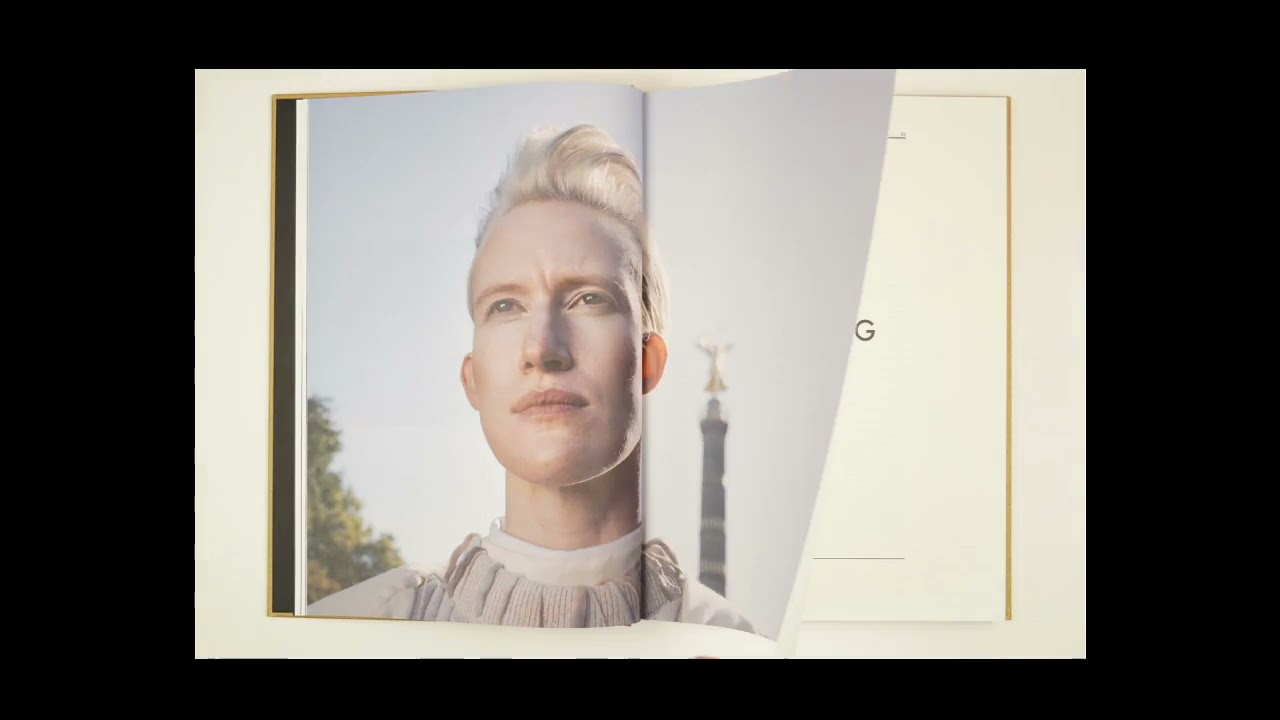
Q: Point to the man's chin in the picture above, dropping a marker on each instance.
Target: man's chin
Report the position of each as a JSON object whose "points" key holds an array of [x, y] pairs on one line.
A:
{"points": [[555, 481], [553, 475], [558, 470]]}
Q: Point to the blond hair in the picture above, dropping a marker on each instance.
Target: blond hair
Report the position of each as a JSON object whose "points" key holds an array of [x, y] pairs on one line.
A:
{"points": [[585, 165]]}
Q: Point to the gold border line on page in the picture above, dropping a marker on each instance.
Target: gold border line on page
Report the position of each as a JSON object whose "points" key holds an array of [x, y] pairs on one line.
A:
{"points": [[1008, 429]]}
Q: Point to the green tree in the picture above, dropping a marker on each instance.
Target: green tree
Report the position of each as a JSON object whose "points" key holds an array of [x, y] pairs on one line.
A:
{"points": [[341, 549]]}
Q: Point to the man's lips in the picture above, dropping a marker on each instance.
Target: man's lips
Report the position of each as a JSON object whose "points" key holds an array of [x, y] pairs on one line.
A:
{"points": [[549, 401]]}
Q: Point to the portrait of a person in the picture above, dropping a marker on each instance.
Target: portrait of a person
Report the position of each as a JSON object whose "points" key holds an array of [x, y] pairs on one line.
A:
{"points": [[568, 305]]}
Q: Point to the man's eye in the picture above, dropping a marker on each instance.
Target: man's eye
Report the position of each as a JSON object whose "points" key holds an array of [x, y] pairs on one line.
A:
{"points": [[503, 306]]}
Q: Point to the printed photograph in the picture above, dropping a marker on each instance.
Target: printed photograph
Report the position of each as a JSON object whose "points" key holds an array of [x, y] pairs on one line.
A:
{"points": [[564, 355]]}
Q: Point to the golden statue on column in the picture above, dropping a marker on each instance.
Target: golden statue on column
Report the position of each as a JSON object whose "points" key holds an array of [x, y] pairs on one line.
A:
{"points": [[716, 351]]}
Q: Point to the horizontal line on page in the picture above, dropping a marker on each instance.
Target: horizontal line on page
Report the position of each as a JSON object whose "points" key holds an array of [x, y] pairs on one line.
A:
{"points": [[859, 558]]}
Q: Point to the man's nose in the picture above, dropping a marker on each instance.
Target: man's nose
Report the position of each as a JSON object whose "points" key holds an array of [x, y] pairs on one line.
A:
{"points": [[546, 348]]}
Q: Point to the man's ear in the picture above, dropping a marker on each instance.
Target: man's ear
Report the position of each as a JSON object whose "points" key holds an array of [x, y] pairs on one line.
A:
{"points": [[653, 361], [469, 381]]}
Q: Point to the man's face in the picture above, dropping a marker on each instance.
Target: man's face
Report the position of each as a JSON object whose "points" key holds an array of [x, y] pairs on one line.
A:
{"points": [[555, 367]]}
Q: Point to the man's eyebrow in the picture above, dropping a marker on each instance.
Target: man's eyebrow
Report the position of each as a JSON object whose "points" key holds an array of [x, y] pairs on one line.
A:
{"points": [[499, 288], [579, 280]]}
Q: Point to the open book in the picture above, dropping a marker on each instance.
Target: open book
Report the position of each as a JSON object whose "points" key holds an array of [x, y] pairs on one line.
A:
{"points": [[564, 355]]}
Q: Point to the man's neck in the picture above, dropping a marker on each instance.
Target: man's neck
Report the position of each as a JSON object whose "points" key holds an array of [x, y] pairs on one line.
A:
{"points": [[577, 516]]}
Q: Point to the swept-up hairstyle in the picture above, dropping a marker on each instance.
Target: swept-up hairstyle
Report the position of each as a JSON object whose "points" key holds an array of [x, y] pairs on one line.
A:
{"points": [[585, 165]]}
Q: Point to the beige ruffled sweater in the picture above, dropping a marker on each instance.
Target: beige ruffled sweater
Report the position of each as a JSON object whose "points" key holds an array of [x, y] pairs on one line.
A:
{"points": [[501, 580], [478, 588]]}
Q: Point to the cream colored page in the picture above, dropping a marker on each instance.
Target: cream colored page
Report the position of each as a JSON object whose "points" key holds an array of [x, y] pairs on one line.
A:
{"points": [[911, 524]]}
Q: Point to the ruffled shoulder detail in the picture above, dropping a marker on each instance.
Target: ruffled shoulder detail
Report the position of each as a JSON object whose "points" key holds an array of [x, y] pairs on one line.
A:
{"points": [[664, 581]]}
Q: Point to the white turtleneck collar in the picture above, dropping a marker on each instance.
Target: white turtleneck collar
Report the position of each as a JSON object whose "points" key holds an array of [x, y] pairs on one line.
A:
{"points": [[588, 566]]}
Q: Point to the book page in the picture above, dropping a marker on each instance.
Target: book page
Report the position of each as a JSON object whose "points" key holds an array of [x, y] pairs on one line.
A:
{"points": [[762, 196], [912, 523], [444, 379]]}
